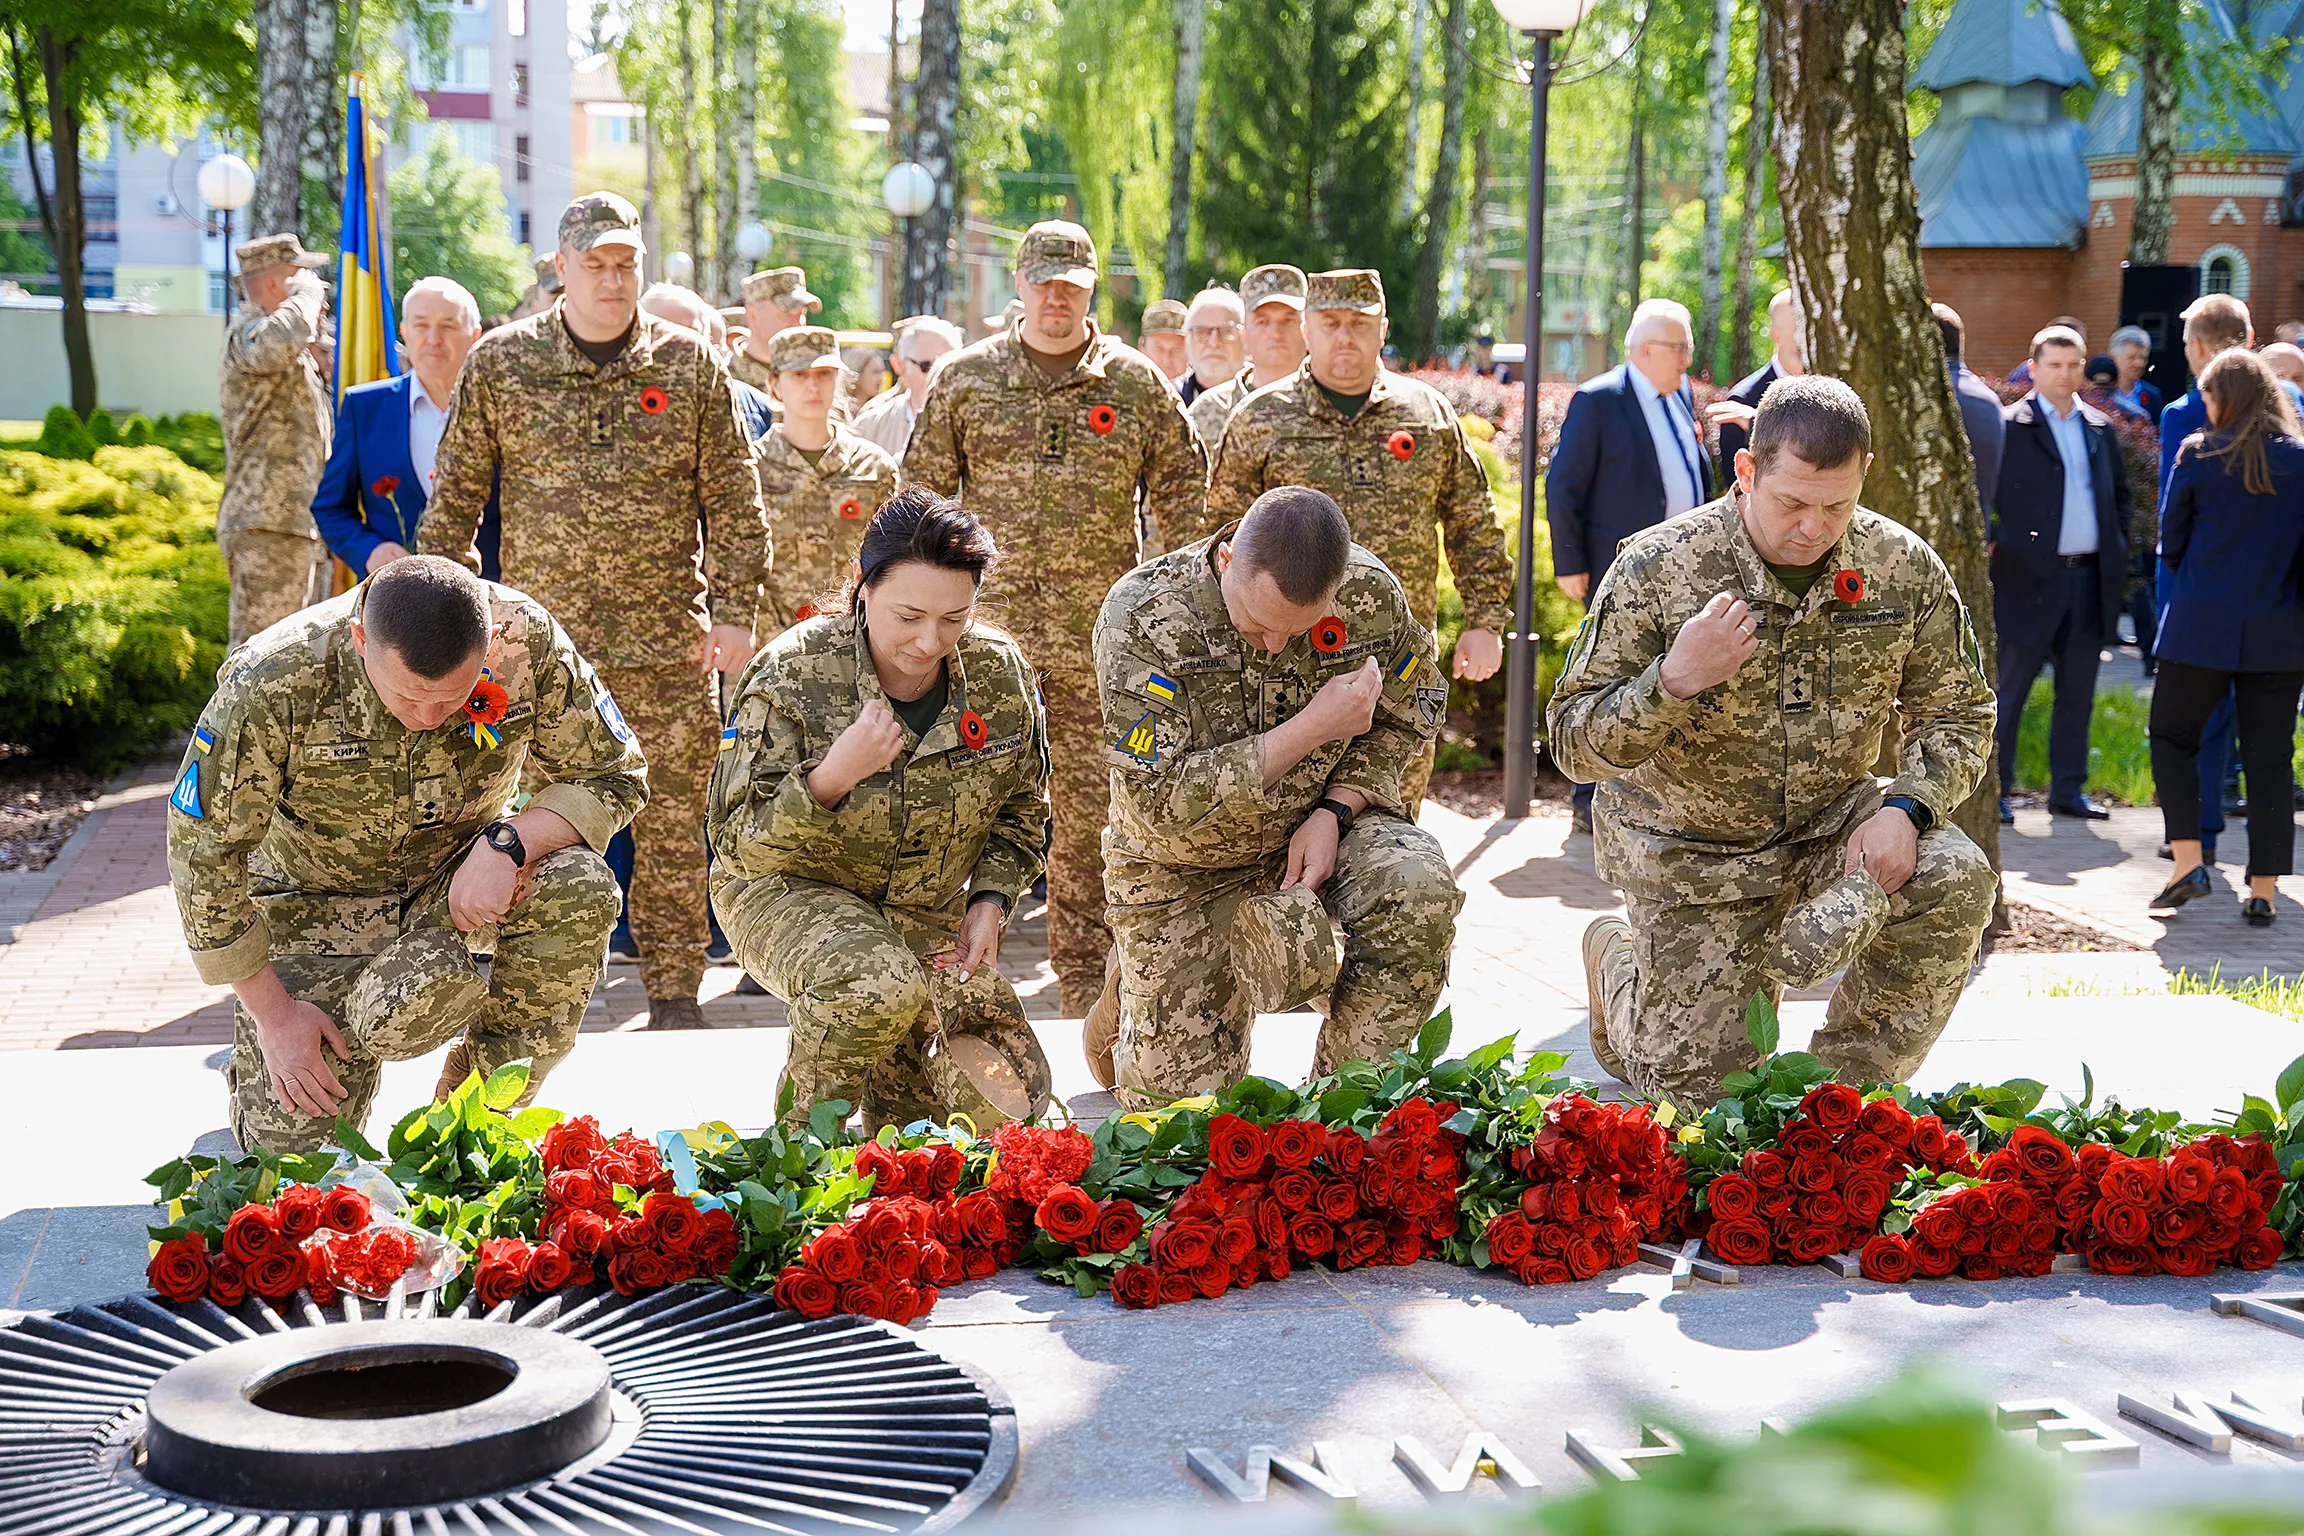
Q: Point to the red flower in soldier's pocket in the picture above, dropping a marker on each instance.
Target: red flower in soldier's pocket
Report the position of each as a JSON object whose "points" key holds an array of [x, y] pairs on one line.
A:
{"points": [[805, 612], [851, 509], [972, 729], [1848, 586], [1402, 445], [1328, 635], [386, 486], [1102, 419], [653, 400]]}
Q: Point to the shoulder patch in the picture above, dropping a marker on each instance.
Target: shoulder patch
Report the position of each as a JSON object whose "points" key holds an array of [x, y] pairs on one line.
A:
{"points": [[1406, 667], [1161, 688], [728, 739], [614, 718], [1140, 741], [1431, 706], [186, 796]]}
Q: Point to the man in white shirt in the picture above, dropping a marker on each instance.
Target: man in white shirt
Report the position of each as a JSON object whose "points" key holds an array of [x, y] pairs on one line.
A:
{"points": [[887, 419]]}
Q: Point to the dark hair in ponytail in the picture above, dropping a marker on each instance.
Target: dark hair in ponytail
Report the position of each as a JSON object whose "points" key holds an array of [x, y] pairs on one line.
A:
{"points": [[917, 525]]}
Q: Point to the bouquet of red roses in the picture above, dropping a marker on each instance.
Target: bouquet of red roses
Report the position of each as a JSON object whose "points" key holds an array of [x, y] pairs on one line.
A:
{"points": [[1601, 1178], [2204, 1204]]}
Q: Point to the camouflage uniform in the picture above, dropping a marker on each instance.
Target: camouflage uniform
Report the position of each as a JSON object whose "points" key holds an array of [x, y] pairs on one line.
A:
{"points": [[1277, 283], [817, 512], [1397, 468], [606, 472], [837, 910], [1719, 814], [1059, 472], [1194, 834], [277, 420], [312, 830], [787, 289]]}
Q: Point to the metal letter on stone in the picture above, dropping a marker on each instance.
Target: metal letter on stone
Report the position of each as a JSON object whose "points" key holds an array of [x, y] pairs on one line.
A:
{"points": [[1322, 1479], [2196, 1420], [1621, 1466], [1688, 1264], [1480, 1454], [2279, 1309], [2061, 1425]]}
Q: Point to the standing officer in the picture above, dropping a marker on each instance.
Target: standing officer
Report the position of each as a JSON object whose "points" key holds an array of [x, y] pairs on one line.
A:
{"points": [[276, 419], [1728, 693], [821, 481], [1274, 299], [1266, 692], [1161, 338], [340, 843], [774, 302], [616, 436], [1390, 451], [1058, 437]]}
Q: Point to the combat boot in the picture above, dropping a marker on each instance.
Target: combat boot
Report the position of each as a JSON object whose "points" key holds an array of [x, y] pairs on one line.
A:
{"points": [[454, 1070], [676, 1013], [1603, 932]]}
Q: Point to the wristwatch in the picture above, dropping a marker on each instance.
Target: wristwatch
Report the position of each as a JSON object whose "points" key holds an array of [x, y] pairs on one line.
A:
{"points": [[1922, 817], [1337, 809], [505, 838]]}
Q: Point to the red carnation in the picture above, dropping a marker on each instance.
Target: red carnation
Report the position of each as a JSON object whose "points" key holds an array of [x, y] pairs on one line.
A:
{"points": [[1118, 1224], [179, 1269], [385, 485], [1068, 1215], [253, 1232], [1236, 1149], [1295, 1143], [348, 1210]]}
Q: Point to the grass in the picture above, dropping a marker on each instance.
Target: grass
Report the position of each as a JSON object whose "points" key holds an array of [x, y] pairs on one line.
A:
{"points": [[2265, 991], [2119, 746], [18, 431]]}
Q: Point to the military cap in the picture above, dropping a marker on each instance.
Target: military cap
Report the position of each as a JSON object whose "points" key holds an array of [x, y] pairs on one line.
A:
{"points": [[784, 287], [1057, 252], [547, 274], [1276, 283], [804, 346], [275, 251], [1283, 950], [600, 218], [1360, 288], [1163, 315]]}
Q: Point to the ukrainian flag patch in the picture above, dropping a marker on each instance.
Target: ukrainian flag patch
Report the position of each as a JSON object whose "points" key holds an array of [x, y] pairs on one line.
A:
{"points": [[203, 739], [728, 738], [1405, 667], [1161, 688], [1141, 742]]}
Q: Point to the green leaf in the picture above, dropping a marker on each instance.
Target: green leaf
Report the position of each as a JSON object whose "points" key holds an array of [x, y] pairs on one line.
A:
{"points": [[534, 1121], [505, 1085], [168, 1234], [1739, 1083], [2289, 1086], [1433, 1038], [783, 1098], [349, 1138], [1341, 1104], [1495, 1053], [824, 1120], [2026, 1093], [1760, 1025]]}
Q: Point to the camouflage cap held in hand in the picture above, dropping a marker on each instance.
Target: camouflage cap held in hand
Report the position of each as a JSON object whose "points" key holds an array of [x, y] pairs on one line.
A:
{"points": [[275, 251], [804, 346], [1056, 252], [1277, 283], [1358, 288], [600, 218], [547, 274], [784, 287], [1163, 315]]}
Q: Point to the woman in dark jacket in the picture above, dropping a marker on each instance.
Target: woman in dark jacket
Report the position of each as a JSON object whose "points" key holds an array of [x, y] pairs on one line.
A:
{"points": [[2231, 540]]}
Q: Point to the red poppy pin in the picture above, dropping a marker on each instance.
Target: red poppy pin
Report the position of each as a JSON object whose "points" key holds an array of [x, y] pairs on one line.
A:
{"points": [[1402, 444], [972, 729], [385, 485], [1328, 635], [851, 509], [1848, 586], [805, 612], [488, 702], [653, 400], [1102, 419]]}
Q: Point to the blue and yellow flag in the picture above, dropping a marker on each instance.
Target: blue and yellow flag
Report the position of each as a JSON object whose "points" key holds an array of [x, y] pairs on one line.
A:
{"points": [[366, 347]]}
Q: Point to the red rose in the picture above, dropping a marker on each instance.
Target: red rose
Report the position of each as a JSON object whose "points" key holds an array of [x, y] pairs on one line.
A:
{"points": [[806, 1292], [2122, 1259], [1941, 1223], [2228, 1196], [571, 1144], [1067, 1215], [581, 1233], [1585, 1257], [227, 1286], [1810, 1244], [1118, 1224], [2132, 1181], [1236, 1149], [548, 1268], [1825, 1208], [1768, 1168], [1732, 1197], [1363, 1242], [179, 1269], [1296, 1142], [2014, 1204], [638, 1270], [1412, 1118], [1212, 1279], [2041, 1152], [278, 1275], [1176, 1285], [2124, 1224], [1887, 1259], [1866, 1195], [1183, 1244], [2260, 1249], [1982, 1269], [1337, 1200], [718, 1247], [1739, 1242], [2186, 1258], [1510, 1239], [1136, 1287], [502, 1272], [253, 1232], [1235, 1238], [672, 1221], [864, 1298], [1810, 1174], [299, 1208], [348, 1210], [2188, 1175], [1886, 1119], [1294, 1188], [1311, 1236], [2175, 1224], [1347, 1149], [1833, 1106], [1932, 1261]]}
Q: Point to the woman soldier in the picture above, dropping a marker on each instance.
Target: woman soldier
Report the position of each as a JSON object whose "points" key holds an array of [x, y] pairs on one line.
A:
{"points": [[881, 797]]}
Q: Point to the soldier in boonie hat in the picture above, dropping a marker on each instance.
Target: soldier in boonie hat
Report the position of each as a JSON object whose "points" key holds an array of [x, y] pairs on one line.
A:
{"points": [[1355, 288], [804, 346], [1274, 283], [600, 218], [1055, 251], [784, 287], [275, 251]]}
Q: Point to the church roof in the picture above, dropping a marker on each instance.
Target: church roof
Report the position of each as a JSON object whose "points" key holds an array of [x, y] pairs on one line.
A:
{"points": [[1985, 182], [2208, 122], [2003, 42]]}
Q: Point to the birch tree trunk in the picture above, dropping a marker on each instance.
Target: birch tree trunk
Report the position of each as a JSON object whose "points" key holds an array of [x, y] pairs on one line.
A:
{"points": [[283, 106], [1410, 143], [1440, 205], [1715, 183], [2155, 215], [1636, 192], [323, 153], [936, 148], [1852, 252], [747, 146], [1477, 290], [721, 275], [691, 167], [1183, 137], [1755, 182]]}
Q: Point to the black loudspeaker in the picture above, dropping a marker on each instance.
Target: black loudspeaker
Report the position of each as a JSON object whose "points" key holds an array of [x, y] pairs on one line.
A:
{"points": [[2154, 299]]}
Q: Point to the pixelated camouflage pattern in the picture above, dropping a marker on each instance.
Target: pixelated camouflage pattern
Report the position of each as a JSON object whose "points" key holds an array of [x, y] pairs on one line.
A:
{"points": [[274, 251], [1283, 950], [421, 991], [817, 514], [804, 346], [1163, 316], [1288, 434], [320, 813], [1360, 288], [784, 287], [602, 495], [675, 711], [751, 370], [599, 218], [1274, 281], [1056, 249], [1828, 930], [1719, 797], [272, 576], [1187, 771], [276, 414], [1674, 990], [1184, 1011], [1079, 799], [1212, 408], [1061, 497]]}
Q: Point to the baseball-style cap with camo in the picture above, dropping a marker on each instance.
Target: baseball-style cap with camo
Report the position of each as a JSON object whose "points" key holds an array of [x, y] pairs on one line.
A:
{"points": [[1163, 315], [1057, 252], [1277, 283], [275, 251], [1360, 288], [600, 218], [804, 346], [784, 287], [547, 274]]}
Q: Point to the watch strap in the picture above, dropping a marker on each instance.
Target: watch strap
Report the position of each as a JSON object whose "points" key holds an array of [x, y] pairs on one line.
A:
{"points": [[509, 842], [1922, 818], [1338, 809]]}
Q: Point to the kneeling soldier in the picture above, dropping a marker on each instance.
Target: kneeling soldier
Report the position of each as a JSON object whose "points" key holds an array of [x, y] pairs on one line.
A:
{"points": [[1265, 690], [881, 798], [340, 850], [1729, 693]]}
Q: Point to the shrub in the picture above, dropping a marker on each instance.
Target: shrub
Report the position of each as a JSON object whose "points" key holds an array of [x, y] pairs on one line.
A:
{"points": [[63, 435], [112, 600]]}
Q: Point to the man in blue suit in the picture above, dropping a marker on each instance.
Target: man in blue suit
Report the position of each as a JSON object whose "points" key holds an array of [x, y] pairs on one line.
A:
{"points": [[2059, 554], [1631, 455], [379, 474]]}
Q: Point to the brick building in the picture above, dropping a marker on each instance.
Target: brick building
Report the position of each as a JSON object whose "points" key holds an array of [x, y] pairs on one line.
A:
{"points": [[2025, 210]]}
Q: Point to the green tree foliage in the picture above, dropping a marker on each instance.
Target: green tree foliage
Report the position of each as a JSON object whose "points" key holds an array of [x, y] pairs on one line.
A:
{"points": [[23, 248], [448, 221], [1109, 100]]}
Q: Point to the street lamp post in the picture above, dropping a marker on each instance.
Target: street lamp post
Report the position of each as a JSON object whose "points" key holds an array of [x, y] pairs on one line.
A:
{"points": [[1542, 21], [226, 184], [907, 190]]}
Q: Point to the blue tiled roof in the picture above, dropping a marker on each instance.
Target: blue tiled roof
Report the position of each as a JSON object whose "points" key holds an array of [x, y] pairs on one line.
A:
{"points": [[2003, 42], [1984, 182], [2205, 123]]}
